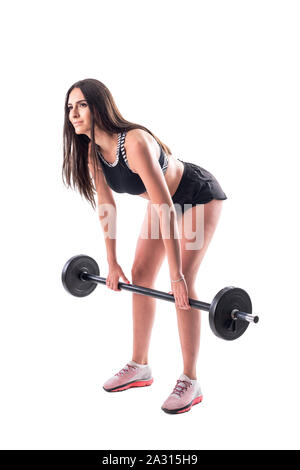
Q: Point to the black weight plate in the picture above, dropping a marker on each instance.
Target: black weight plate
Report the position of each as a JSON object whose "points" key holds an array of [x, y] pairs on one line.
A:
{"points": [[220, 320], [71, 275]]}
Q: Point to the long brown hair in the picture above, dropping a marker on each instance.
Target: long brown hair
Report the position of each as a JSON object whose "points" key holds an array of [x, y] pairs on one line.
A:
{"points": [[105, 114]]}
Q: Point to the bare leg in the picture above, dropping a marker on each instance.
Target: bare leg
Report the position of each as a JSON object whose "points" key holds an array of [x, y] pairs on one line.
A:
{"points": [[149, 256], [189, 326], [189, 321], [143, 318]]}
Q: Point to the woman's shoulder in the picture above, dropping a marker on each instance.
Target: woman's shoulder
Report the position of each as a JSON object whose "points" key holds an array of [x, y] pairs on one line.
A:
{"points": [[135, 136], [144, 140]]}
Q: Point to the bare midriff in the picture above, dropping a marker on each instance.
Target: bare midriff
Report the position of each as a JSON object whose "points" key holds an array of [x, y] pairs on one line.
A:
{"points": [[173, 176]]}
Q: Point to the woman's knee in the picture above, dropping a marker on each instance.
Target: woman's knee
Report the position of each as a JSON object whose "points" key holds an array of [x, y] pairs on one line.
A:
{"points": [[143, 275]]}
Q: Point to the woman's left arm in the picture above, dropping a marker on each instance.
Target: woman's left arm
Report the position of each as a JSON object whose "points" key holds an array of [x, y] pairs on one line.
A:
{"points": [[149, 170]]}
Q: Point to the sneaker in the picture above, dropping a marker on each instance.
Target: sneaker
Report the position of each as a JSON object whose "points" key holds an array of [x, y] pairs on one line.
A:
{"points": [[132, 375], [186, 394]]}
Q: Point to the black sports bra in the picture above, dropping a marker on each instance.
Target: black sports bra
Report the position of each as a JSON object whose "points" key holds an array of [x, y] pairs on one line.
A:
{"points": [[120, 177]]}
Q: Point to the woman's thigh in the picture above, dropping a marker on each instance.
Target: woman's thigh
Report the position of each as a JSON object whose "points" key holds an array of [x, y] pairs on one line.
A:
{"points": [[150, 249], [197, 226]]}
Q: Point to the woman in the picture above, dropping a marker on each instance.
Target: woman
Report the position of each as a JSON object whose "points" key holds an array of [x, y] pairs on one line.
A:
{"points": [[104, 152]]}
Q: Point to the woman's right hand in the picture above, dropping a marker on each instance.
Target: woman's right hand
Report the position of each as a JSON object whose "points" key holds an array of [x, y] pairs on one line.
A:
{"points": [[115, 272]]}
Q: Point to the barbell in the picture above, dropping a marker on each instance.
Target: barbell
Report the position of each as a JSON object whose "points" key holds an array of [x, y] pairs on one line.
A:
{"points": [[230, 312]]}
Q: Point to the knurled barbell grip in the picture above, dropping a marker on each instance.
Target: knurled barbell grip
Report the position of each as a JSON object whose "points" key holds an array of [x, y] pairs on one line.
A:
{"points": [[84, 276]]}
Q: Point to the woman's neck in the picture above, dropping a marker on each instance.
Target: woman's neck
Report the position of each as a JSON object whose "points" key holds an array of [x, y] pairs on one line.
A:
{"points": [[107, 142]]}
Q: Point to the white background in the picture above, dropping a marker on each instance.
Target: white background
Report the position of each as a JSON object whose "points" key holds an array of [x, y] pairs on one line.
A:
{"points": [[218, 82]]}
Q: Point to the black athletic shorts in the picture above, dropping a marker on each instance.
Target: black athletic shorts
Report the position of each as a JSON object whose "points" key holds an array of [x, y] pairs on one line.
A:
{"points": [[197, 186]]}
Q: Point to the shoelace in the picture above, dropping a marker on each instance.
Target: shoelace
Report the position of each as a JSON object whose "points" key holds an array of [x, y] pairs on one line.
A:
{"points": [[181, 387], [126, 369]]}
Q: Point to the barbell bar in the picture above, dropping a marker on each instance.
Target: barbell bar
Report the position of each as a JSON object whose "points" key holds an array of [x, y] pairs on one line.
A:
{"points": [[229, 313], [85, 276]]}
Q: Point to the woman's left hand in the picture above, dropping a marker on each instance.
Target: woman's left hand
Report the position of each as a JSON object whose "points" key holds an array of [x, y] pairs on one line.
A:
{"points": [[180, 293]]}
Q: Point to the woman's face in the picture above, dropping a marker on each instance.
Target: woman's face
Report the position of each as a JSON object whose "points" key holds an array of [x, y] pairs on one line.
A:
{"points": [[79, 112]]}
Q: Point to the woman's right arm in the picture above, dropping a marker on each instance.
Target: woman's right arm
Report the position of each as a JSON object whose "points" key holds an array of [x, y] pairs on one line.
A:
{"points": [[107, 211]]}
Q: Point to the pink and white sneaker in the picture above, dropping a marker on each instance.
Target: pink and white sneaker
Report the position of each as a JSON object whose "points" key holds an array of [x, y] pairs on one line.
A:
{"points": [[132, 375], [186, 394]]}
